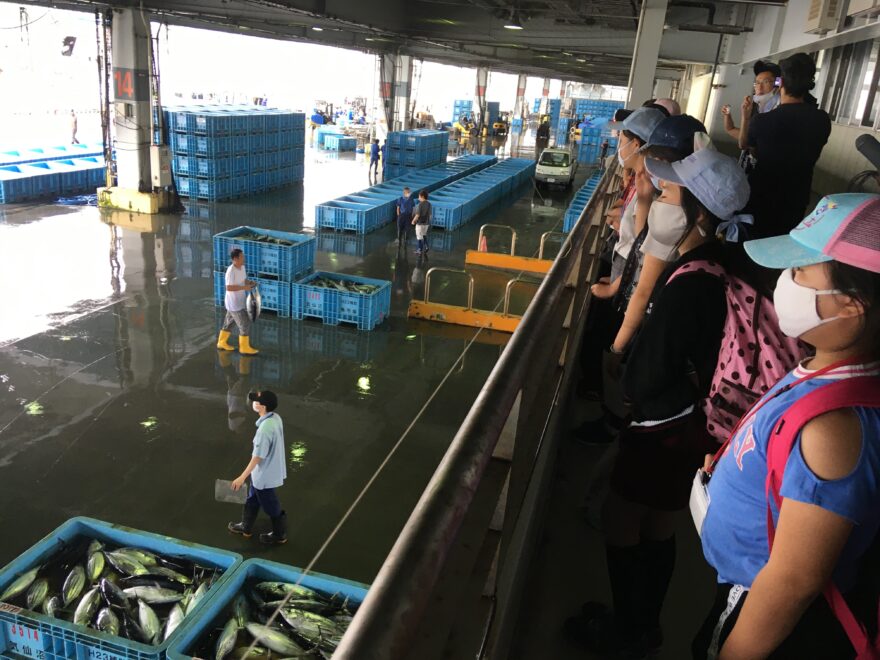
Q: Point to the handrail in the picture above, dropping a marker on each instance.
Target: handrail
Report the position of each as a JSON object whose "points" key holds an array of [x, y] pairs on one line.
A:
{"points": [[508, 289], [544, 237], [507, 227], [457, 271], [385, 623]]}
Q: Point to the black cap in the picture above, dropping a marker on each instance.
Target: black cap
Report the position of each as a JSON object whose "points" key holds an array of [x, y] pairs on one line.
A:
{"points": [[676, 132], [761, 66], [621, 113], [265, 398]]}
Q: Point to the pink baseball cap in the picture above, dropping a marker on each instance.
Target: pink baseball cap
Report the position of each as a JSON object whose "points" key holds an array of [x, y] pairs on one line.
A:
{"points": [[843, 227]]}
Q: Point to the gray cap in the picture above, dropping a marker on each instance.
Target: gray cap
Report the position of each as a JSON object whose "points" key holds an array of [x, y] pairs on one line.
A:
{"points": [[715, 179], [642, 122]]}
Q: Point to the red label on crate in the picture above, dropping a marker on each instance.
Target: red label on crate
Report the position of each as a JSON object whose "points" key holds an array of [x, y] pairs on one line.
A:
{"points": [[12, 609], [24, 641]]}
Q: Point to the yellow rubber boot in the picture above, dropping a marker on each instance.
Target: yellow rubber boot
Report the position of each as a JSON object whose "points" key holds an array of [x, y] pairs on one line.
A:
{"points": [[244, 346], [223, 341]]}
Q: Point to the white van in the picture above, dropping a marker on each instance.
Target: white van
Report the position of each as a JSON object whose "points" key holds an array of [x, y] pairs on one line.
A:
{"points": [[556, 166]]}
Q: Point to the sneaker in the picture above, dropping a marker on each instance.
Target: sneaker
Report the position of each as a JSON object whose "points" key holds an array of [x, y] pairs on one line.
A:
{"points": [[594, 432], [271, 539], [239, 528]]}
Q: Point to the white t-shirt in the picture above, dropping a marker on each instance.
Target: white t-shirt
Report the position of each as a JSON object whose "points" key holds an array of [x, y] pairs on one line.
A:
{"points": [[627, 230], [235, 300]]}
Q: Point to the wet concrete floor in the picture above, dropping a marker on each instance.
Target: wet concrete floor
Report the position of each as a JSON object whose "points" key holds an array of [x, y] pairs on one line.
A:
{"points": [[115, 404]]}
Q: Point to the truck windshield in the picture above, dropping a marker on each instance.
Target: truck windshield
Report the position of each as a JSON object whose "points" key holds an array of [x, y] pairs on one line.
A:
{"points": [[554, 159]]}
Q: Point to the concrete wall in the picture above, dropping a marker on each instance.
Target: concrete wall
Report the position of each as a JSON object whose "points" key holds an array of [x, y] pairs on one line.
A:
{"points": [[839, 161]]}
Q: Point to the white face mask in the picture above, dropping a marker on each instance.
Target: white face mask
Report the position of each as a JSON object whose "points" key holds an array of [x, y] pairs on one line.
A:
{"points": [[796, 305], [620, 157], [666, 223]]}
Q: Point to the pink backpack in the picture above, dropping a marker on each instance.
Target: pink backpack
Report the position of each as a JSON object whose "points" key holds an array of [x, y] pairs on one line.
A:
{"points": [[863, 391], [755, 354]]}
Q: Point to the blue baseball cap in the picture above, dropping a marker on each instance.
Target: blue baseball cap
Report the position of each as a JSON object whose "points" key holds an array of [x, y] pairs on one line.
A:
{"points": [[642, 122], [843, 227], [715, 179], [676, 132]]}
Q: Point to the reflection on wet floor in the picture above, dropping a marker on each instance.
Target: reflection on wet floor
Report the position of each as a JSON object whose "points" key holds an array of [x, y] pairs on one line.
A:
{"points": [[114, 402]]}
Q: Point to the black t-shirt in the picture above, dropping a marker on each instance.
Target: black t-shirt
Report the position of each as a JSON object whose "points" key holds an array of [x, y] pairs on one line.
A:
{"points": [[678, 344], [787, 143], [423, 210]]}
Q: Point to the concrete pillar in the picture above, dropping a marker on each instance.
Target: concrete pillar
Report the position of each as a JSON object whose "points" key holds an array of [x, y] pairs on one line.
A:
{"points": [[646, 51], [395, 87], [545, 94], [563, 86], [131, 99], [480, 97], [519, 107]]}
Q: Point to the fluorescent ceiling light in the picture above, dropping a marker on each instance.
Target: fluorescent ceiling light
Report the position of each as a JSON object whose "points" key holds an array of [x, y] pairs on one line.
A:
{"points": [[513, 23], [317, 29]]}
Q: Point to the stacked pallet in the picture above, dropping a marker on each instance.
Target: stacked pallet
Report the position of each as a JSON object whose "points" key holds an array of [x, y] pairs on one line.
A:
{"points": [[48, 172], [410, 151], [554, 108], [223, 152], [459, 202], [579, 202], [374, 207], [592, 137], [595, 107], [562, 131], [461, 107]]}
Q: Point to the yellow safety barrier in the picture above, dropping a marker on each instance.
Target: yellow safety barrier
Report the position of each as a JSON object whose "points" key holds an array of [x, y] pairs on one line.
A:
{"points": [[481, 257]]}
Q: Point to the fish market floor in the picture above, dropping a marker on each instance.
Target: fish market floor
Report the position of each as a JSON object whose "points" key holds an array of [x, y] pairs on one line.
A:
{"points": [[115, 404]]}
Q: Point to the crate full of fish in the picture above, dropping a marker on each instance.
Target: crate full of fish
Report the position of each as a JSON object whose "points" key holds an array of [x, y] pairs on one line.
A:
{"points": [[272, 610], [267, 252], [274, 294], [91, 589], [336, 298]]}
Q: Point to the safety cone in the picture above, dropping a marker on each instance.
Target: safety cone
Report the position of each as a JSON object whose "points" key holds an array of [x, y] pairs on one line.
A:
{"points": [[484, 246]]}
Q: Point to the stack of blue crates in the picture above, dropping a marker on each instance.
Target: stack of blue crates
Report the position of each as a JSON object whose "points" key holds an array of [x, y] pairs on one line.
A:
{"points": [[367, 210], [339, 142], [595, 107], [562, 130], [409, 151], [223, 152], [47, 172], [516, 124], [537, 106], [554, 108], [460, 202], [493, 113], [272, 266], [461, 107], [591, 140], [579, 202]]}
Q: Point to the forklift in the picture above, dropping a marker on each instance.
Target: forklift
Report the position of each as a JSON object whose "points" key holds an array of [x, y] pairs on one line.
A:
{"points": [[501, 125]]}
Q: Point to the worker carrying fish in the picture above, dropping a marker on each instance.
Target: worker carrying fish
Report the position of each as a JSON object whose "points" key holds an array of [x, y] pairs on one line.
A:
{"points": [[405, 206], [237, 286], [267, 471]]}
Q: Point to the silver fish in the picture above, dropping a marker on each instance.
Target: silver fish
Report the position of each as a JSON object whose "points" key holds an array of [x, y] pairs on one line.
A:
{"points": [[37, 593], [94, 547], [95, 565], [143, 557], [108, 622], [20, 584], [197, 597], [87, 607], [241, 611], [162, 571], [175, 617], [254, 304], [148, 621], [273, 639], [73, 585], [126, 564], [153, 595], [227, 639], [52, 605]]}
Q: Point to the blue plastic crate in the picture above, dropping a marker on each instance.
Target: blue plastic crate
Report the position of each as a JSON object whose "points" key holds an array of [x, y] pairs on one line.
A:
{"points": [[274, 294], [214, 612], [333, 306], [25, 634], [281, 261]]}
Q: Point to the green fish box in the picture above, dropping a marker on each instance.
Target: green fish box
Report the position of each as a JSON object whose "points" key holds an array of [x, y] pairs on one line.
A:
{"points": [[26, 634]]}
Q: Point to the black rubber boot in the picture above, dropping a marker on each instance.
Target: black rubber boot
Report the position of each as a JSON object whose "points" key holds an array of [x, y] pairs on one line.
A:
{"points": [[248, 517], [278, 535]]}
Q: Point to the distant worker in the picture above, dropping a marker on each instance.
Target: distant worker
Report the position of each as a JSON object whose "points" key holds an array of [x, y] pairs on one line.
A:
{"points": [[237, 286], [384, 158], [422, 221], [603, 151], [405, 208], [543, 132], [267, 470], [73, 127], [374, 162]]}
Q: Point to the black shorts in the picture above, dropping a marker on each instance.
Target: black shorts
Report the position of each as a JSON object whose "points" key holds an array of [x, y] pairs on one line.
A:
{"points": [[656, 465]]}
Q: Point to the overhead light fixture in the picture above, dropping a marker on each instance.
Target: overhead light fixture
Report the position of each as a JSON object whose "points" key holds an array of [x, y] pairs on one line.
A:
{"points": [[317, 28], [513, 23], [580, 59]]}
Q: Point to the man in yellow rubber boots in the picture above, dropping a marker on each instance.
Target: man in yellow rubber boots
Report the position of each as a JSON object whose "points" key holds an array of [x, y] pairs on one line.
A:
{"points": [[237, 286]]}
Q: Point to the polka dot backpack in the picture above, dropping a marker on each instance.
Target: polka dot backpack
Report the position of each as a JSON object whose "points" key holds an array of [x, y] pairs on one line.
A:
{"points": [[754, 354]]}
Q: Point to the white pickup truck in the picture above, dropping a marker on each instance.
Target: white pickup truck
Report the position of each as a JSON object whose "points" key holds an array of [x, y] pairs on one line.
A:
{"points": [[556, 166]]}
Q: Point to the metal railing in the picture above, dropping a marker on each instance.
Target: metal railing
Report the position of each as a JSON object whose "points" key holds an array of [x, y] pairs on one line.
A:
{"points": [[523, 396]]}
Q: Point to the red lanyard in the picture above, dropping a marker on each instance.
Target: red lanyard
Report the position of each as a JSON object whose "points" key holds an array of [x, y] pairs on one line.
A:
{"points": [[767, 399]]}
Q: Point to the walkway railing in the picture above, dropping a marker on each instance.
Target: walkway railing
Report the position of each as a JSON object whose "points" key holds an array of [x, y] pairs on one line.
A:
{"points": [[460, 561]]}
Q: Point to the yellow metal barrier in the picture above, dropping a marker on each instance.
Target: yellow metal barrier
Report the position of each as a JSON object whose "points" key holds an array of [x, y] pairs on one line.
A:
{"points": [[511, 261]]}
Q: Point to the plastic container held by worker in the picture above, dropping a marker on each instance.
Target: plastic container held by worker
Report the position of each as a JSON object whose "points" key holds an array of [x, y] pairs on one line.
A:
{"points": [[274, 294], [26, 634], [283, 262], [215, 613], [334, 306]]}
